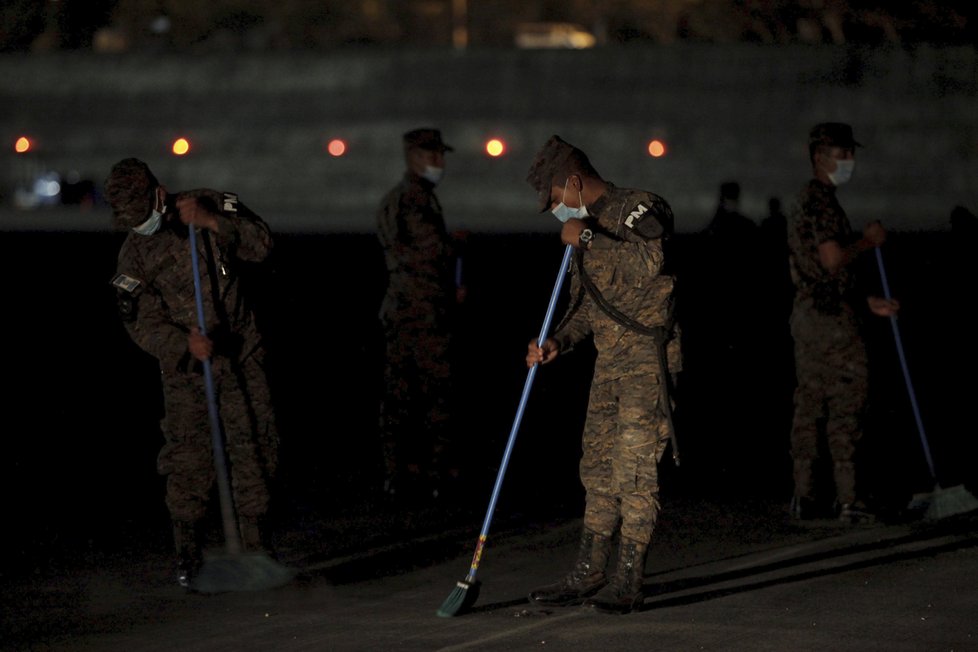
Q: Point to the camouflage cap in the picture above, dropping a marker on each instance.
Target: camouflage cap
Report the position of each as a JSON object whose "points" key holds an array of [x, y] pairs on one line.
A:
{"points": [[426, 139], [550, 161], [832, 134], [129, 189]]}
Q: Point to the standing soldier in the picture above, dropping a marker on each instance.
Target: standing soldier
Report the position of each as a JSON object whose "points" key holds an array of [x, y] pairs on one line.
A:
{"points": [[416, 316], [156, 300], [830, 356], [622, 299]]}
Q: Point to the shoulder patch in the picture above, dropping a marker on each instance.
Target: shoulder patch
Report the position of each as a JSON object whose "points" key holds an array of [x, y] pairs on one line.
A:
{"points": [[126, 283]]}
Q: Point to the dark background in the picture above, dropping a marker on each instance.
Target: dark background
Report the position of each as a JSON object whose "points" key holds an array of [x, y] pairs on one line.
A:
{"points": [[82, 403]]}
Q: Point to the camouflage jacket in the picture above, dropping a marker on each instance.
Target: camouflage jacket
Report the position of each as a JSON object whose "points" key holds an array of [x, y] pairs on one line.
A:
{"points": [[626, 267], [155, 284], [816, 217], [417, 252]]}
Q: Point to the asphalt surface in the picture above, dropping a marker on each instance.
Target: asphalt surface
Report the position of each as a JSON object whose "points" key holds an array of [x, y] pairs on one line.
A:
{"points": [[735, 575]]}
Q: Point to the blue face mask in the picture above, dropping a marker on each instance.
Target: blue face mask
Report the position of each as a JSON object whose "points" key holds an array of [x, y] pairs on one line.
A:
{"points": [[563, 212], [153, 224]]}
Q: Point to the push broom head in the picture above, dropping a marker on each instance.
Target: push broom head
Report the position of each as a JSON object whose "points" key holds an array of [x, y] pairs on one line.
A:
{"points": [[248, 571], [941, 503], [462, 597]]}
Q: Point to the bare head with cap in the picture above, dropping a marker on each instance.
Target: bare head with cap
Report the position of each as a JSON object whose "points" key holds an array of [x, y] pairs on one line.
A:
{"points": [[561, 172], [133, 192], [832, 151], [424, 152]]}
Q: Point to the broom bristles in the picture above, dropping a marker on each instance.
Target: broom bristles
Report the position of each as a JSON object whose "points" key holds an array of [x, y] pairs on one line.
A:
{"points": [[460, 599], [242, 572], [941, 503]]}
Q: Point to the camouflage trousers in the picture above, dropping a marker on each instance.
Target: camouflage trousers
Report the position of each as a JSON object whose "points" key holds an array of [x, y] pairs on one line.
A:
{"points": [[625, 436], [415, 409], [832, 390], [249, 431]]}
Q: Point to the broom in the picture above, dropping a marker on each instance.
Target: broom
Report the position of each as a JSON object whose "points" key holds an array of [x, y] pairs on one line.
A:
{"points": [[466, 590], [940, 502], [235, 570]]}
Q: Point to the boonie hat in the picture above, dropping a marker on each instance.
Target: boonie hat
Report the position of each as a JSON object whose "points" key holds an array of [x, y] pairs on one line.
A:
{"points": [[426, 139], [550, 161], [832, 134], [129, 190]]}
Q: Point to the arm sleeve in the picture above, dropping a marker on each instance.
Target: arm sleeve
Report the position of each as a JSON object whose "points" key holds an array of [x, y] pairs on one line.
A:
{"points": [[645, 220], [147, 322], [575, 325], [244, 233], [241, 234]]}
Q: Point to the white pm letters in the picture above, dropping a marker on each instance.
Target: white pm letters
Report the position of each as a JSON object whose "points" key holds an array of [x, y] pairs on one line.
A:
{"points": [[635, 214]]}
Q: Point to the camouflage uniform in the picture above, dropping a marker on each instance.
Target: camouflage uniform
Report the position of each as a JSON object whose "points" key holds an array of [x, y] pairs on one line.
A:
{"points": [[627, 426], [415, 315], [156, 300], [622, 299], [830, 357]]}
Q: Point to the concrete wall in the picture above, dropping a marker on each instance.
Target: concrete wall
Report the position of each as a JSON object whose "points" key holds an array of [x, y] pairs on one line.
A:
{"points": [[259, 124]]}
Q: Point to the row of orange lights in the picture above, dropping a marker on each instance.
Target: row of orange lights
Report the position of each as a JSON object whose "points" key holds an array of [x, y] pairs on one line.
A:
{"points": [[337, 147]]}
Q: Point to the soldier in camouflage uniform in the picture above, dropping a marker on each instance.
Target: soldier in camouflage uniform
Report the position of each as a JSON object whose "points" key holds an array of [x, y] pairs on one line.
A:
{"points": [[830, 356], [416, 315], [156, 301], [622, 299]]}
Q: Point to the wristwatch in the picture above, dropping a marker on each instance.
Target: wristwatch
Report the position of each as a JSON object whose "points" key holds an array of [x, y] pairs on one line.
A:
{"points": [[586, 236]]}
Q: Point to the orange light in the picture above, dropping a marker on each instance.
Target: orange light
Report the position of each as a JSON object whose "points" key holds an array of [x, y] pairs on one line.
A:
{"points": [[336, 147], [181, 146], [657, 148], [22, 145], [495, 147]]}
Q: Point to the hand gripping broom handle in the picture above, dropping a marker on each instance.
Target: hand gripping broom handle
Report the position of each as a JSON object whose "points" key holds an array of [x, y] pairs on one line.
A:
{"points": [[906, 370], [564, 265], [231, 537]]}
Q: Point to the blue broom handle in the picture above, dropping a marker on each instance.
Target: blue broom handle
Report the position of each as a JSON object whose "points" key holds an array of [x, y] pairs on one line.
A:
{"points": [[231, 536], [906, 370], [554, 296]]}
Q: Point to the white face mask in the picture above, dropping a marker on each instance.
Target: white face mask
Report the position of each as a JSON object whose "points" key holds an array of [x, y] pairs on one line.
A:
{"points": [[563, 212], [432, 173], [153, 224], [843, 171]]}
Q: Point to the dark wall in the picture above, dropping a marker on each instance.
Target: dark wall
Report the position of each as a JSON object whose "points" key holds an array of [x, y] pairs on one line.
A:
{"points": [[259, 124]]}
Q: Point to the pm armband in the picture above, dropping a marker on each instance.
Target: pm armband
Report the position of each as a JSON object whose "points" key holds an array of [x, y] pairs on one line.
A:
{"points": [[643, 222], [229, 203]]}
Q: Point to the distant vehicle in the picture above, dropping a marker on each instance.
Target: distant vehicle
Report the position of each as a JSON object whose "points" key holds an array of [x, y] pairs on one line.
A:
{"points": [[44, 188], [553, 35]]}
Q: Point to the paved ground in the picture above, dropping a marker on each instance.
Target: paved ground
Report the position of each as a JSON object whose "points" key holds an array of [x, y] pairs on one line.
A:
{"points": [[722, 576]]}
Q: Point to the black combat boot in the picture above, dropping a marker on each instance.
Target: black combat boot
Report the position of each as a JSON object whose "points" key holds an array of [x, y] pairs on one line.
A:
{"points": [[624, 592], [587, 577], [189, 557]]}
